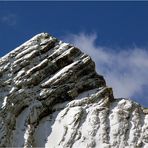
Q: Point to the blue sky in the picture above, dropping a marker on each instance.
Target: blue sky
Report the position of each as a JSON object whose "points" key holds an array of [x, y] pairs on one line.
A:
{"points": [[117, 31]]}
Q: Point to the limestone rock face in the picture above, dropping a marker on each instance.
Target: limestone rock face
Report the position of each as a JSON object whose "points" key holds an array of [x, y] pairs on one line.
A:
{"points": [[51, 96]]}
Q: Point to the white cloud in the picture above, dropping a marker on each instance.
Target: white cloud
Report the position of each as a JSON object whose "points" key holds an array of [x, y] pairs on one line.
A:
{"points": [[125, 70], [9, 19]]}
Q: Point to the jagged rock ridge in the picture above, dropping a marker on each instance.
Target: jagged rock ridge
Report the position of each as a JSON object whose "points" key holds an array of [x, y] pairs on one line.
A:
{"points": [[51, 96]]}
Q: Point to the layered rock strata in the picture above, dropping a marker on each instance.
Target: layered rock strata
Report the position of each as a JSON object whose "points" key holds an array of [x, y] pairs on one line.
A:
{"points": [[51, 96]]}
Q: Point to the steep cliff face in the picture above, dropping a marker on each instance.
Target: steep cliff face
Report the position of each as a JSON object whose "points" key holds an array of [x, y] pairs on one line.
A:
{"points": [[51, 96]]}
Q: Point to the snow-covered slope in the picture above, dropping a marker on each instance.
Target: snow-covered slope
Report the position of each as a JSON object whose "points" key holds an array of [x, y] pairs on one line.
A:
{"points": [[51, 96]]}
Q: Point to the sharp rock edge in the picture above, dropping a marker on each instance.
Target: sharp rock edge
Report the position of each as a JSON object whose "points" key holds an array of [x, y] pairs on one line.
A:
{"points": [[51, 96]]}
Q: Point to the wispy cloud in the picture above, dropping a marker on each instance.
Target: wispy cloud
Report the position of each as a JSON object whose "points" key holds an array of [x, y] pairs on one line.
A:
{"points": [[9, 19], [126, 70]]}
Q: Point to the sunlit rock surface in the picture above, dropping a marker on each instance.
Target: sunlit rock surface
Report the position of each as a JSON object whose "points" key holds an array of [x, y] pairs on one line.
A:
{"points": [[51, 96]]}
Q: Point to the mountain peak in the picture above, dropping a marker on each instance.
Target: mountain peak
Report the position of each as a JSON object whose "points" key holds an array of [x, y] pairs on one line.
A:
{"points": [[51, 96]]}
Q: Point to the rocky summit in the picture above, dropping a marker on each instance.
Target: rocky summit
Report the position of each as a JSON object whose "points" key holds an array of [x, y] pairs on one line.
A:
{"points": [[51, 96]]}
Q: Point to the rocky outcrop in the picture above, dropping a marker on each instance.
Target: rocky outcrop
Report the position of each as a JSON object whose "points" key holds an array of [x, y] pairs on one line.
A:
{"points": [[51, 96]]}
